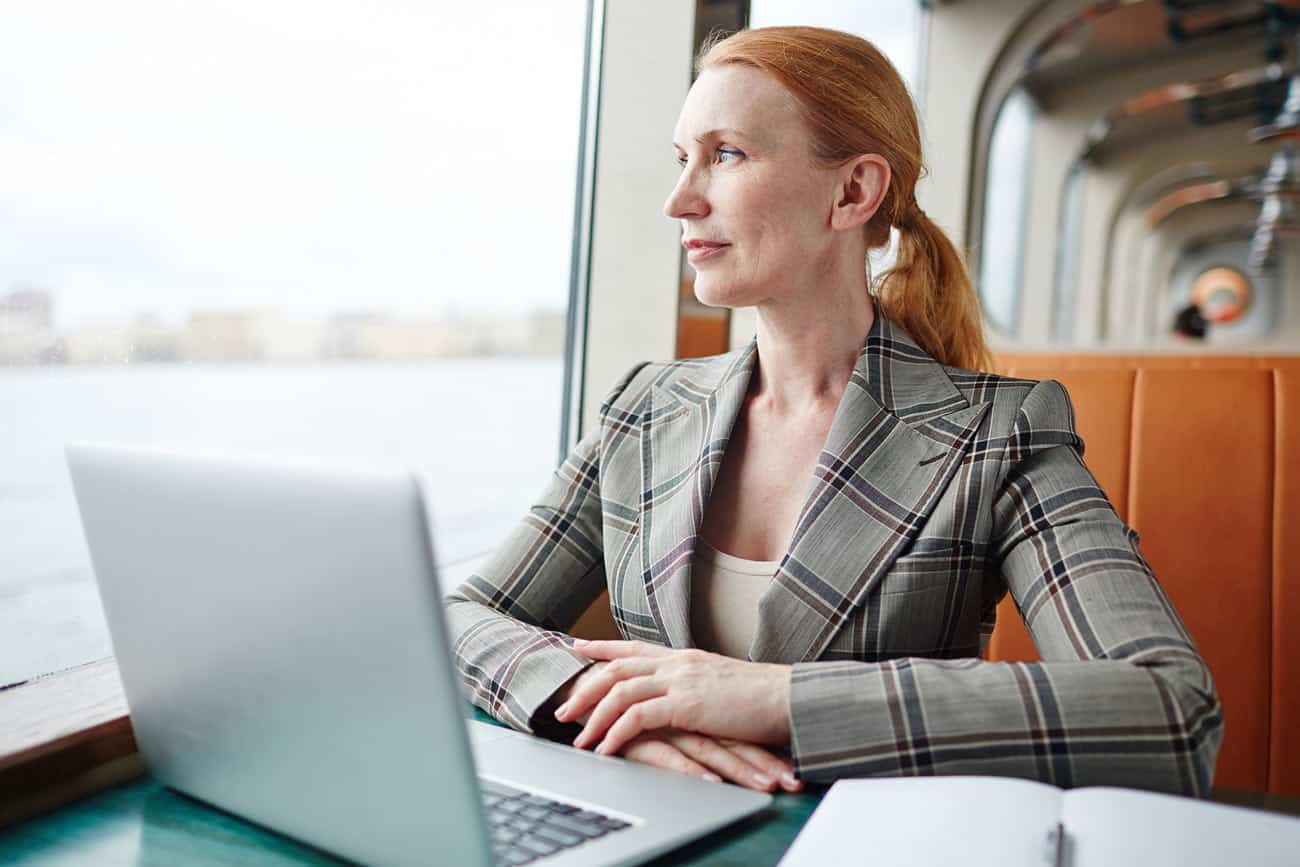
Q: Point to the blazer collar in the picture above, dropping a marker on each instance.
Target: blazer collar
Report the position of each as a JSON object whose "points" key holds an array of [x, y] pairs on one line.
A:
{"points": [[898, 434]]}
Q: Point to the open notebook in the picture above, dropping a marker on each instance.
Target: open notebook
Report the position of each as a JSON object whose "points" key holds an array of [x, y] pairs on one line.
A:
{"points": [[1018, 823]]}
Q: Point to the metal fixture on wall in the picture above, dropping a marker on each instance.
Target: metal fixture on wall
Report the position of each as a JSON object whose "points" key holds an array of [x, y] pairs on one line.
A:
{"points": [[1279, 216]]}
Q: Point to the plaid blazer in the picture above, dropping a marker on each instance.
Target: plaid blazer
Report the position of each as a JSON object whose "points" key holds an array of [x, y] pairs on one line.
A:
{"points": [[938, 491]]}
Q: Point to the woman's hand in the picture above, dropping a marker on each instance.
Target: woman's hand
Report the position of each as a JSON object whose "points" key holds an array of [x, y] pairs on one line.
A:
{"points": [[714, 759], [645, 687]]}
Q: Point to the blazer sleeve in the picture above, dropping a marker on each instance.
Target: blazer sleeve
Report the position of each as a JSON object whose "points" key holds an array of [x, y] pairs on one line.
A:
{"points": [[1122, 697], [507, 620]]}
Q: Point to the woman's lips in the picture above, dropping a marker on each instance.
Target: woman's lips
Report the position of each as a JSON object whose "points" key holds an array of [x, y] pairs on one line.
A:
{"points": [[704, 251]]}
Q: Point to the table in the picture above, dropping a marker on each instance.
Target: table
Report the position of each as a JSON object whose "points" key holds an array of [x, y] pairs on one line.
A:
{"points": [[146, 825]]}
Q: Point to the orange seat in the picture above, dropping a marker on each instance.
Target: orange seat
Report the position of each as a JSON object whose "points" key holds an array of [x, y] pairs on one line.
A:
{"points": [[1201, 455]]}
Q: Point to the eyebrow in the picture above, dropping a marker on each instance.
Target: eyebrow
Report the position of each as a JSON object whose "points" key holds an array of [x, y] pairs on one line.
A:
{"points": [[722, 131]]}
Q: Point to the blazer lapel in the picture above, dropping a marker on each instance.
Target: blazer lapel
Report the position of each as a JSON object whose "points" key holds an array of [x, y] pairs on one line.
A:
{"points": [[684, 434], [897, 437]]}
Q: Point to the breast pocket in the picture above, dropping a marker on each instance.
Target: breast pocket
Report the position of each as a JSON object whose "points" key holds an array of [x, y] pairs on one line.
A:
{"points": [[929, 562], [926, 605]]}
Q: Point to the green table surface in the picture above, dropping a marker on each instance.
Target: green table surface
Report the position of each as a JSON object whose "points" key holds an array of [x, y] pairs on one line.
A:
{"points": [[143, 823]]}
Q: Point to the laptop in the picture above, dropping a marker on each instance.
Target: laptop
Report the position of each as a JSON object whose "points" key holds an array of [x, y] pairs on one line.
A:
{"points": [[280, 636]]}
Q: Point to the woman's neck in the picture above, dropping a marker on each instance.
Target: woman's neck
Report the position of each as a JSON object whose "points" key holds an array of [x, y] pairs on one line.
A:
{"points": [[807, 351]]}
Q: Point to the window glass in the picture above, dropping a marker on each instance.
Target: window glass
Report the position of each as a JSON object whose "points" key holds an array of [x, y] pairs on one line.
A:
{"points": [[1069, 240], [1001, 262], [335, 232]]}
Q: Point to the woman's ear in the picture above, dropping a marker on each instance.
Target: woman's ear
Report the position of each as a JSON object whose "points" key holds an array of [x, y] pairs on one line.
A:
{"points": [[864, 180]]}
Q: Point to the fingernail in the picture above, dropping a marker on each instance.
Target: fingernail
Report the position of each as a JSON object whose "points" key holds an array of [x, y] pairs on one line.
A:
{"points": [[788, 780], [579, 641], [712, 778], [561, 710], [763, 780]]}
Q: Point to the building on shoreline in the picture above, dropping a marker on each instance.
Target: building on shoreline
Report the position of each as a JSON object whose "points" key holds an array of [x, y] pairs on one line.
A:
{"points": [[29, 336]]}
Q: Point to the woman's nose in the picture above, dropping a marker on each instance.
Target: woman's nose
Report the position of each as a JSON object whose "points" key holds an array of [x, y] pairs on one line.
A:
{"points": [[686, 200]]}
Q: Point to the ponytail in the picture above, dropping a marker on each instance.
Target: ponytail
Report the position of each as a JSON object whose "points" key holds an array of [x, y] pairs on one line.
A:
{"points": [[929, 293]]}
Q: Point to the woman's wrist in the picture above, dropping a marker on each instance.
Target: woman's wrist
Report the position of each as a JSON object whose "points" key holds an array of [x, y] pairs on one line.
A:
{"points": [[543, 721], [562, 694], [780, 712]]}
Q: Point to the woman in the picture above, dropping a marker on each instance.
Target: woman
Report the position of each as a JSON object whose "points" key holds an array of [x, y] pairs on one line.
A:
{"points": [[934, 490]]}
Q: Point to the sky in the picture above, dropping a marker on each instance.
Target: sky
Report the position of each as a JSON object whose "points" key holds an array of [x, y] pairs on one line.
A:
{"points": [[315, 157]]}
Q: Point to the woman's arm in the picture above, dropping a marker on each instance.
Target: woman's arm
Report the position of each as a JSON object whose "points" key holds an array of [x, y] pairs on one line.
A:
{"points": [[1121, 698], [507, 620]]}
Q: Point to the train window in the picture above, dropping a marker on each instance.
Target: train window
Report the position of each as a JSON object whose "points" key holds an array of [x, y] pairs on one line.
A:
{"points": [[1066, 280], [336, 232], [1001, 261]]}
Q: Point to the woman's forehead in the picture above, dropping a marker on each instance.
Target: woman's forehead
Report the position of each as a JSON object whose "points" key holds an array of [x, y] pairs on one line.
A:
{"points": [[739, 100]]}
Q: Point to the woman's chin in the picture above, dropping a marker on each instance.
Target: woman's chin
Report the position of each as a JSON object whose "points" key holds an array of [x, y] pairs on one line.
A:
{"points": [[712, 293]]}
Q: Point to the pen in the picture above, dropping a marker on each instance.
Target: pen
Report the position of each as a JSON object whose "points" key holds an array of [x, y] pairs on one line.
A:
{"points": [[1056, 843]]}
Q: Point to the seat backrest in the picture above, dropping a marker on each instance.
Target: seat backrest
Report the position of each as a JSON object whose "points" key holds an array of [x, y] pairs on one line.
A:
{"points": [[1201, 455]]}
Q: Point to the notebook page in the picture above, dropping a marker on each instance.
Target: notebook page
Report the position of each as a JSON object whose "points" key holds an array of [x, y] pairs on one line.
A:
{"points": [[941, 821], [1105, 826]]}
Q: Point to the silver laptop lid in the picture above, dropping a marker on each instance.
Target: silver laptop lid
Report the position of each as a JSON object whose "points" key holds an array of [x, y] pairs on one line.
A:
{"points": [[281, 642]]}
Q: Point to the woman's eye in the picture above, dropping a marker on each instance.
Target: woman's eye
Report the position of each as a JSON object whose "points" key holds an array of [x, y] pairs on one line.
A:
{"points": [[722, 152]]}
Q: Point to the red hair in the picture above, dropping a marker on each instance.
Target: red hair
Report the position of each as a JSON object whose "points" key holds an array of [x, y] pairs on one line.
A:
{"points": [[855, 102]]}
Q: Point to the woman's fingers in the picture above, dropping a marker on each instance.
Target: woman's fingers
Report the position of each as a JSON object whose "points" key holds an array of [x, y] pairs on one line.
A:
{"points": [[729, 762], [652, 750], [619, 649], [586, 693], [655, 713], [711, 758], [777, 767], [623, 696]]}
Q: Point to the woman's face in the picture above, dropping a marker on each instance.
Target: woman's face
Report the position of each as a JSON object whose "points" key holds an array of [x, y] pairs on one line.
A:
{"points": [[749, 182]]}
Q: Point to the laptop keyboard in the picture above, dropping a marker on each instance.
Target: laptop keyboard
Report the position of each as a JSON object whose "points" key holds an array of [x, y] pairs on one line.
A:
{"points": [[526, 827]]}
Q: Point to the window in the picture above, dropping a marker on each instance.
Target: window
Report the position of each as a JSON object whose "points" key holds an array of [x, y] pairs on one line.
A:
{"points": [[284, 229], [1001, 262], [1069, 240]]}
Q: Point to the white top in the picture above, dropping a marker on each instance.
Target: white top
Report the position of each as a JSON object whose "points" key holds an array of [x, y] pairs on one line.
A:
{"points": [[724, 599]]}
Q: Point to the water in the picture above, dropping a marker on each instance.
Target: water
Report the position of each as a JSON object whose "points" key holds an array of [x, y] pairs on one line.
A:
{"points": [[482, 434]]}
